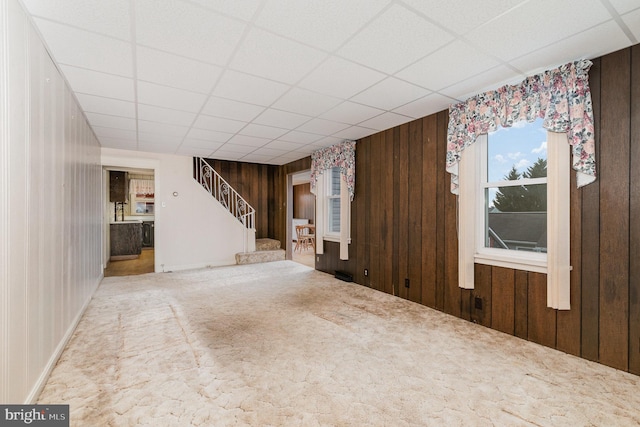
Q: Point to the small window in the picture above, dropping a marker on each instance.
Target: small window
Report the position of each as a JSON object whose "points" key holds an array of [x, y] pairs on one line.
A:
{"points": [[333, 202]]}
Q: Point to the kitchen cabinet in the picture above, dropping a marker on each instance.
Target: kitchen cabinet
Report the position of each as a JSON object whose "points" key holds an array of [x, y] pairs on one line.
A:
{"points": [[117, 186], [126, 239], [147, 234]]}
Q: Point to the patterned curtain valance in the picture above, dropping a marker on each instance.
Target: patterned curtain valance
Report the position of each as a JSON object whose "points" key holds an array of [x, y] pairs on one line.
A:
{"points": [[342, 155], [561, 96]]}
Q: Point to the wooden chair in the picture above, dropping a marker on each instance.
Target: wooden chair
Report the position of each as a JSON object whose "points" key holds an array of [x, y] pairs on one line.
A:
{"points": [[304, 238]]}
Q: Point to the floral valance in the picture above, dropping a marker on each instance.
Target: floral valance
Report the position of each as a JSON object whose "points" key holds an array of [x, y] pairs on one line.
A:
{"points": [[342, 155], [561, 96]]}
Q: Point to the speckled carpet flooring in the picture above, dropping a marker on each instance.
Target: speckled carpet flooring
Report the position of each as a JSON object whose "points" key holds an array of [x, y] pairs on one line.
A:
{"points": [[281, 344]]}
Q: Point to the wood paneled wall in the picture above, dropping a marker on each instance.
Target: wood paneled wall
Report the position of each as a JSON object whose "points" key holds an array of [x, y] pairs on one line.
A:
{"points": [[404, 227], [304, 202], [255, 183]]}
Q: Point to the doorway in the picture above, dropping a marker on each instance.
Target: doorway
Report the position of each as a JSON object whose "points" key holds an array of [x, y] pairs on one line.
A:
{"points": [[302, 211], [129, 218]]}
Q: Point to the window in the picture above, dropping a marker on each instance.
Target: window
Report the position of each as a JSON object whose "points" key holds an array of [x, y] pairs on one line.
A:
{"points": [[505, 199], [332, 212]]}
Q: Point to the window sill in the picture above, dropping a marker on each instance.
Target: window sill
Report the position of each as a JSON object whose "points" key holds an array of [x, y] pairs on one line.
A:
{"points": [[514, 262], [332, 238]]}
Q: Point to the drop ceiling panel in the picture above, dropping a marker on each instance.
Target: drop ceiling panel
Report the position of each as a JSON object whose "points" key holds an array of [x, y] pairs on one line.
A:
{"points": [[624, 6], [218, 124], [168, 97], [229, 109], [261, 54], [383, 43], [251, 89], [185, 29], [108, 132], [301, 138], [324, 24], [282, 145], [193, 151], [165, 115], [236, 149], [322, 127], [632, 19], [536, 27], [351, 113], [390, 93], [281, 119], [105, 17], [208, 135], [386, 121], [100, 104], [244, 9], [305, 102], [123, 144], [353, 78], [327, 141], [172, 70], [489, 80], [92, 51], [262, 131], [162, 129], [156, 138], [248, 141], [105, 120], [463, 61], [354, 132], [100, 84], [431, 103], [201, 144], [257, 158]]}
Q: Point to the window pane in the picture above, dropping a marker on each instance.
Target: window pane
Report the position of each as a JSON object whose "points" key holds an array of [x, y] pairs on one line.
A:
{"points": [[517, 152], [335, 182], [516, 218], [333, 219]]}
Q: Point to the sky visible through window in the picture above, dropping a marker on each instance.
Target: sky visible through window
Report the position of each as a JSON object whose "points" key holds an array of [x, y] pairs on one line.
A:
{"points": [[520, 146]]}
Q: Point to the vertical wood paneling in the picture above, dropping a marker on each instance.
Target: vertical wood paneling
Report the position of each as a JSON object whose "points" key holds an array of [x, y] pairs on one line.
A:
{"points": [[634, 214], [521, 304], [429, 215], [614, 210], [442, 188], [482, 290], [414, 219], [503, 299], [396, 211], [541, 319], [403, 214], [386, 251], [373, 220], [363, 163]]}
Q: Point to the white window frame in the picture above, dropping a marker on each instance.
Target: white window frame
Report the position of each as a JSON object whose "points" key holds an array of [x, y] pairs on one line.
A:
{"points": [[333, 236], [555, 263]]}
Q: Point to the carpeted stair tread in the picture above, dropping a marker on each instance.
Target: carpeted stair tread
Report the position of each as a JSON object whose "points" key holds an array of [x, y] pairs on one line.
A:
{"points": [[260, 256], [267, 244]]}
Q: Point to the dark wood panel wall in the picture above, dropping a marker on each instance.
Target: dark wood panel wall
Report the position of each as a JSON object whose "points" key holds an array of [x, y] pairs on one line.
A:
{"points": [[404, 228], [304, 202]]}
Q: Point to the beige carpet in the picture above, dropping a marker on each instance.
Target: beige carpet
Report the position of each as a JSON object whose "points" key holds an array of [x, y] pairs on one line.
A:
{"points": [[280, 344]]}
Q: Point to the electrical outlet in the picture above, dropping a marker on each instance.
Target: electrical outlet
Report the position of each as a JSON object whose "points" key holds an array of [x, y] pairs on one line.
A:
{"points": [[406, 283], [366, 272], [477, 302]]}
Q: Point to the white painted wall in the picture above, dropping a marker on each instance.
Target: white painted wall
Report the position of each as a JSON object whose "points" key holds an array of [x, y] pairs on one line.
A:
{"points": [[192, 230], [50, 210]]}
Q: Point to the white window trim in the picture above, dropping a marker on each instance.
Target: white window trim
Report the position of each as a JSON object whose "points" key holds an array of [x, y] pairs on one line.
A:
{"points": [[471, 250], [344, 237]]}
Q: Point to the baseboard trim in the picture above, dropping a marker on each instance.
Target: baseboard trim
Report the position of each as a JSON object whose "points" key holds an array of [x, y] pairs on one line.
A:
{"points": [[33, 396]]}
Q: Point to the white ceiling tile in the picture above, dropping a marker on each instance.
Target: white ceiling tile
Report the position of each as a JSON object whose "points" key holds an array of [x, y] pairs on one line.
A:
{"points": [[340, 78], [283, 145], [262, 131], [105, 120], [208, 135], [105, 17], [100, 84], [351, 113], [236, 148], [271, 152], [300, 137], [218, 124], [187, 30], [354, 132], [462, 16], [91, 51], [176, 71], [489, 80], [123, 144], [327, 141], [248, 141], [115, 133], [193, 151], [386, 121], [162, 128], [254, 90], [599, 40], [261, 54], [282, 119], [536, 27], [390, 93], [463, 61], [158, 138], [306, 102], [257, 158], [394, 40], [322, 127], [290, 157], [425, 106], [165, 115], [153, 147], [201, 144], [229, 109], [100, 104], [325, 24], [168, 97], [632, 20], [240, 9], [221, 154], [624, 6]]}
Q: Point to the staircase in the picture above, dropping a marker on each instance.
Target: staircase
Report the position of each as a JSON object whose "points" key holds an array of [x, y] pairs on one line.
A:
{"points": [[255, 250]]}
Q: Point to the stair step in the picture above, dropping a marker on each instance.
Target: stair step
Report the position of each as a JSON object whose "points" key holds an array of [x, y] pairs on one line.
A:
{"points": [[267, 244], [260, 256]]}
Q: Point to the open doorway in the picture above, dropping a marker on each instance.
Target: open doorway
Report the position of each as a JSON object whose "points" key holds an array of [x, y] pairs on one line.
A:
{"points": [[301, 218], [129, 218]]}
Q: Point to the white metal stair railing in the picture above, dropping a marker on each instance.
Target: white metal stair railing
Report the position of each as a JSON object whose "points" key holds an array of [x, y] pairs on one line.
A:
{"points": [[226, 195]]}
